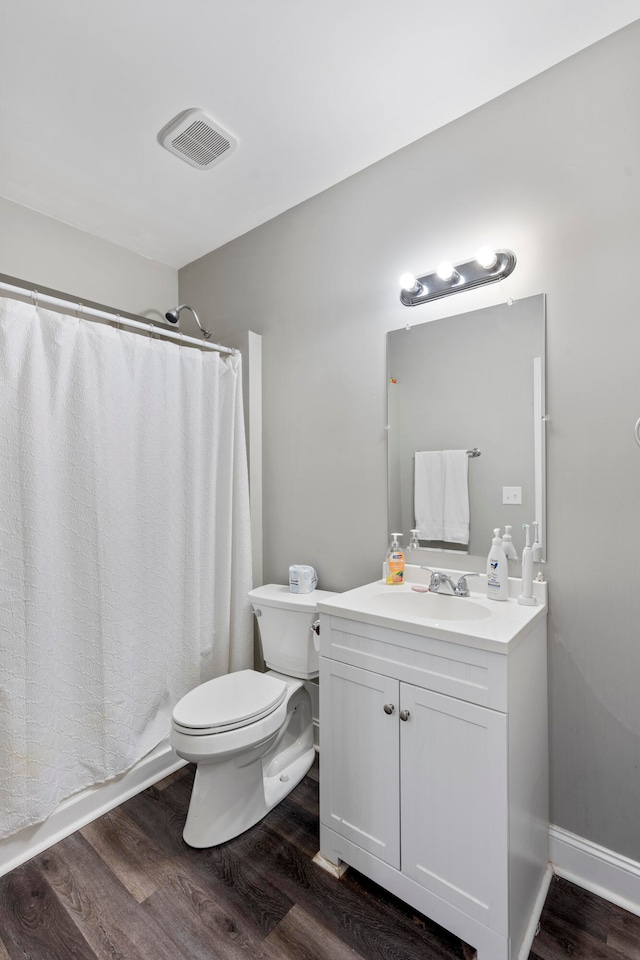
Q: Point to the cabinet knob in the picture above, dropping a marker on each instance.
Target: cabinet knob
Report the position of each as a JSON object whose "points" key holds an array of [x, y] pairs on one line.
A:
{"points": [[389, 708], [404, 714]]}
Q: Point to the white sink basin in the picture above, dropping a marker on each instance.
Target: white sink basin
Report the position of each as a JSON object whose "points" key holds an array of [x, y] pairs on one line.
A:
{"points": [[430, 606]]}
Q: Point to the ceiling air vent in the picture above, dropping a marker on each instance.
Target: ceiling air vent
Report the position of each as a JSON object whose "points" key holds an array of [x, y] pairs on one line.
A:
{"points": [[197, 139]]}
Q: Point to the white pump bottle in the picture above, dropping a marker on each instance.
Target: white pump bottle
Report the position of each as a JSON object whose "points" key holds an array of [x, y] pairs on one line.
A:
{"points": [[497, 573], [507, 545]]}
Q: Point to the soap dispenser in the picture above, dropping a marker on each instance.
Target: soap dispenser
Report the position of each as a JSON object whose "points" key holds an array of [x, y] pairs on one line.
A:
{"points": [[507, 545], [497, 573], [414, 542], [394, 563]]}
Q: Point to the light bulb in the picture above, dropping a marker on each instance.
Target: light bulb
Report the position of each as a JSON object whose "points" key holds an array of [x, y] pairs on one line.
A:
{"points": [[446, 270], [486, 257], [409, 284]]}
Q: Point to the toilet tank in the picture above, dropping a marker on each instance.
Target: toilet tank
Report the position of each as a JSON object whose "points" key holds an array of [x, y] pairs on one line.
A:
{"points": [[289, 645]]}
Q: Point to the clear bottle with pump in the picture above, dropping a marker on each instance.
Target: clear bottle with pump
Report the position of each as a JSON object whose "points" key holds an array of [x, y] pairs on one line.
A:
{"points": [[394, 563], [497, 573], [414, 542]]}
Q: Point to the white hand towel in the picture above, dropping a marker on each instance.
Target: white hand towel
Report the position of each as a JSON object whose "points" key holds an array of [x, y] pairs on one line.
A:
{"points": [[441, 495], [428, 494], [456, 496]]}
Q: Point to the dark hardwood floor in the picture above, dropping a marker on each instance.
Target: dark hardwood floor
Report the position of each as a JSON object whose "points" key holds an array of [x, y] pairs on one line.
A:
{"points": [[128, 887]]}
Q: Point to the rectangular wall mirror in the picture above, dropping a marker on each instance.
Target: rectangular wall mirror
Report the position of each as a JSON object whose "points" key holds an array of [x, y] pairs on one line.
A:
{"points": [[472, 382]]}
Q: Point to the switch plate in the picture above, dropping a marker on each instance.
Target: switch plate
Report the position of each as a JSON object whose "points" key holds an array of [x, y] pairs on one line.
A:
{"points": [[512, 494]]}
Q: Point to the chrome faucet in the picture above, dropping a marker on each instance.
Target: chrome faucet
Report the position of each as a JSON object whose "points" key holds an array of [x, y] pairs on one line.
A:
{"points": [[438, 579]]}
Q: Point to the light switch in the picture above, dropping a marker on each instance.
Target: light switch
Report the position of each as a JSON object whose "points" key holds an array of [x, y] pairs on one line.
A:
{"points": [[512, 494]]}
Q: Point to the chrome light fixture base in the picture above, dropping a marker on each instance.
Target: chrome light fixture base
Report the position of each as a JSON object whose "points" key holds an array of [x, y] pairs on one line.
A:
{"points": [[468, 274]]}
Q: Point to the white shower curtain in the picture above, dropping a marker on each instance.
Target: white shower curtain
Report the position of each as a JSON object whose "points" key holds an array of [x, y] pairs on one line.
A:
{"points": [[124, 547]]}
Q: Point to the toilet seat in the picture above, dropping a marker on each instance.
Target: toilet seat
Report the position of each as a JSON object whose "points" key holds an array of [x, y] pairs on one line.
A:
{"points": [[229, 702]]}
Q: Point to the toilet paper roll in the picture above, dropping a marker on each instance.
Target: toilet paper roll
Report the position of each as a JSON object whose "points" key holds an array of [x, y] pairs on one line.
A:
{"points": [[302, 578]]}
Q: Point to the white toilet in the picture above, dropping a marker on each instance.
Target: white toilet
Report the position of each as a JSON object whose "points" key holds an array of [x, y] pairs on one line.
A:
{"points": [[250, 733]]}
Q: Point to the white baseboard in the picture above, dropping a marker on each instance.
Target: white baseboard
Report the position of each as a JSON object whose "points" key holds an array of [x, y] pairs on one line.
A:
{"points": [[85, 806], [534, 920], [607, 874]]}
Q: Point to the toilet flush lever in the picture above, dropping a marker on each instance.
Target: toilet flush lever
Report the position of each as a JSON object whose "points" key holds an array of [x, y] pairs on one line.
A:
{"points": [[315, 627]]}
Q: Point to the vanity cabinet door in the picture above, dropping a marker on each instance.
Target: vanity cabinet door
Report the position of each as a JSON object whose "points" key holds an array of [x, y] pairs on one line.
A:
{"points": [[359, 790], [454, 802]]}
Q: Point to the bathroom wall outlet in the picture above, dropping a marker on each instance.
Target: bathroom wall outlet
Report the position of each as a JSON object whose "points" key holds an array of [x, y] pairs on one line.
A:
{"points": [[512, 494]]}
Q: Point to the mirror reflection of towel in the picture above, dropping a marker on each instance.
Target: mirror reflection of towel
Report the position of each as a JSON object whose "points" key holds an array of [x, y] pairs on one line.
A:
{"points": [[441, 495]]}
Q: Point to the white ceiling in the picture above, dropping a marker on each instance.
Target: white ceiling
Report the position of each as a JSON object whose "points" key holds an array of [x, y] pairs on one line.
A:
{"points": [[313, 91]]}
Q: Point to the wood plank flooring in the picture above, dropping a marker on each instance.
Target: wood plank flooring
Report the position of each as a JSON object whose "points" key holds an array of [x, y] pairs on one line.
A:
{"points": [[127, 887]]}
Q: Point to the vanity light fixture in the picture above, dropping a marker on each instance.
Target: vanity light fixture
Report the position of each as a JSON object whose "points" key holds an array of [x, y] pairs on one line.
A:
{"points": [[486, 267]]}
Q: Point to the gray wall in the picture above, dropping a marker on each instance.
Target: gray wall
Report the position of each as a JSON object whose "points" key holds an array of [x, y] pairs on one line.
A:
{"points": [[51, 254], [550, 170]]}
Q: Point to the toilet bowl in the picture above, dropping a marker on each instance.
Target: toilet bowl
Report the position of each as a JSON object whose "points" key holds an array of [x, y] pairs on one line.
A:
{"points": [[250, 733]]}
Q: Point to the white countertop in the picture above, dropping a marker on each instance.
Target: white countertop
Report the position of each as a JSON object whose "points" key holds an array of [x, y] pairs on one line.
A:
{"points": [[499, 626]]}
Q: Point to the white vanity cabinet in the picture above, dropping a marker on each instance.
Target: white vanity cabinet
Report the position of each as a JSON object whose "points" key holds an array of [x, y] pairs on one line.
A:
{"points": [[433, 782]]}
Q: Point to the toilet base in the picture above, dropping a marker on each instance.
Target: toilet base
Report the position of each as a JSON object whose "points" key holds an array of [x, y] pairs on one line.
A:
{"points": [[231, 795]]}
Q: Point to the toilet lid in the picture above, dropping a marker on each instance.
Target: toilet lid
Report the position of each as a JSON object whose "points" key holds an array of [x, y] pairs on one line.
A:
{"points": [[230, 701]]}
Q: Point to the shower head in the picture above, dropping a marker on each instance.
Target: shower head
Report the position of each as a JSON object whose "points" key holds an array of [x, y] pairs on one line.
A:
{"points": [[173, 316]]}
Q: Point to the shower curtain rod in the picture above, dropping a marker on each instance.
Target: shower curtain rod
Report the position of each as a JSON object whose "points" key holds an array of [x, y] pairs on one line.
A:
{"points": [[19, 289]]}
